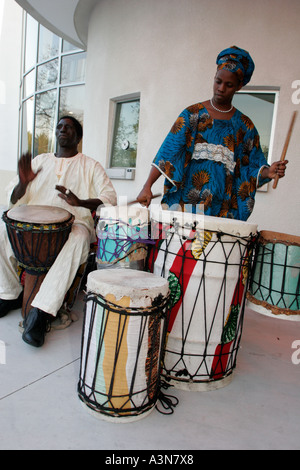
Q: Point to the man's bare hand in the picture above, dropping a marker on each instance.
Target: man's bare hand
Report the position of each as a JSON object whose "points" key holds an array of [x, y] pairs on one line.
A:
{"points": [[68, 196], [26, 174]]}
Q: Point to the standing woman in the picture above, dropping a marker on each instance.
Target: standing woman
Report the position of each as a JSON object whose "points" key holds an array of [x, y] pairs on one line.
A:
{"points": [[211, 159]]}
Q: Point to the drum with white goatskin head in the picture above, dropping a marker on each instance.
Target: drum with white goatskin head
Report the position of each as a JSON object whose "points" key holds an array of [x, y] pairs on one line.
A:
{"points": [[205, 260], [123, 342]]}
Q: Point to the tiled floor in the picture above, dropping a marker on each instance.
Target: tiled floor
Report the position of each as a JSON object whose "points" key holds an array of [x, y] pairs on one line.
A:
{"points": [[259, 409]]}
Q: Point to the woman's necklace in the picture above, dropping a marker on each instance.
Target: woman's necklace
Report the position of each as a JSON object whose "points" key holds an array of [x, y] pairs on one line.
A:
{"points": [[220, 110]]}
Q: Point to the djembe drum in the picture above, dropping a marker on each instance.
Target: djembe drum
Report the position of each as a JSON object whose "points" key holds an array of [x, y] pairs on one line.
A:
{"points": [[123, 339], [36, 234], [122, 233], [275, 279], [205, 260]]}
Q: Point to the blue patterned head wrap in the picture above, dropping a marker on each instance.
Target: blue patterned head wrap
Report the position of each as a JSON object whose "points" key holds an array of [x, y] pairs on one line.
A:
{"points": [[237, 61]]}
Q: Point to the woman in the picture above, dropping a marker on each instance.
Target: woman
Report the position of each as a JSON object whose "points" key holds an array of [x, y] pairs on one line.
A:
{"points": [[211, 158]]}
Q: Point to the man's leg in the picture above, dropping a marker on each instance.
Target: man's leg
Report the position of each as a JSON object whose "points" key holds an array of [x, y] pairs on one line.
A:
{"points": [[10, 287], [55, 285]]}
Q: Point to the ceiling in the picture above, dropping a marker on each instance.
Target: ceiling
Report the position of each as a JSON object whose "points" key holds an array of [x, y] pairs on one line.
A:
{"points": [[68, 18]]}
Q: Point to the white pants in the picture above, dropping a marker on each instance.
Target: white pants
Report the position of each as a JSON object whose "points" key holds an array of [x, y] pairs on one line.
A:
{"points": [[59, 277]]}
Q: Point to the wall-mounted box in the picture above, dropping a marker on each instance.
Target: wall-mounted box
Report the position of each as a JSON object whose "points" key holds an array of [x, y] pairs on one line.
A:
{"points": [[121, 173]]}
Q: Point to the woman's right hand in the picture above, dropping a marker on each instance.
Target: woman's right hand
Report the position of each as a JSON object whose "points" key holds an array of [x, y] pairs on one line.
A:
{"points": [[145, 196]]}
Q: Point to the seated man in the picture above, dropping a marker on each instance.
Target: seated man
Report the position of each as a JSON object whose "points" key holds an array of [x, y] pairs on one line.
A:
{"points": [[66, 179]]}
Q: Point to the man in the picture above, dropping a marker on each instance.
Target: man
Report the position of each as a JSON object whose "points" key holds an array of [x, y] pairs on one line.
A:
{"points": [[66, 179]]}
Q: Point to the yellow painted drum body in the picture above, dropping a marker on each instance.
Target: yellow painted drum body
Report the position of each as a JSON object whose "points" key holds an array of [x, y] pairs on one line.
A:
{"points": [[122, 233], [275, 280], [122, 343], [205, 260]]}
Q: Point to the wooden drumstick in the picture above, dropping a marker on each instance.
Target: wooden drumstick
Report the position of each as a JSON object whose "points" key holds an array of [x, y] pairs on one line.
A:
{"points": [[286, 144], [153, 197], [130, 203]]}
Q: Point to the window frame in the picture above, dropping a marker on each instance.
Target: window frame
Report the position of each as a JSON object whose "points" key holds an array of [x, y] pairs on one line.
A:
{"points": [[265, 90], [115, 172], [22, 143]]}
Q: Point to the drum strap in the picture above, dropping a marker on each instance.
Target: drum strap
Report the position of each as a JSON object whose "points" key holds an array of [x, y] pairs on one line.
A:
{"points": [[168, 402]]}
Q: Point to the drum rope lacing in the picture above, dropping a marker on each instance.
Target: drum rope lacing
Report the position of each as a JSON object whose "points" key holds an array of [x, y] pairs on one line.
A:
{"points": [[128, 239], [263, 283], [156, 314], [115, 256], [120, 230]]}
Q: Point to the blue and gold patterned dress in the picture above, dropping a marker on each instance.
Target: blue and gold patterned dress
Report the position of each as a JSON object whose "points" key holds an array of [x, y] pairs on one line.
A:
{"points": [[211, 165]]}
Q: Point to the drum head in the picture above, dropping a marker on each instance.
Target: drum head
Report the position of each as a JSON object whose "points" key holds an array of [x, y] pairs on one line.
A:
{"points": [[142, 287], [39, 214], [133, 215], [204, 222], [266, 236]]}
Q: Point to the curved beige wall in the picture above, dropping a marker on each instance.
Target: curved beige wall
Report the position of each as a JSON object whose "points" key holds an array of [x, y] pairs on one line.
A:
{"points": [[10, 60], [166, 50]]}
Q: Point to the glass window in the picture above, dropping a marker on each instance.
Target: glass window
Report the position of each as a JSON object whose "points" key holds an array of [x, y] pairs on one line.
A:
{"points": [[52, 85], [45, 122], [47, 75], [124, 145], [260, 108], [73, 68], [71, 102], [27, 125], [68, 47], [48, 44], [29, 84], [31, 36]]}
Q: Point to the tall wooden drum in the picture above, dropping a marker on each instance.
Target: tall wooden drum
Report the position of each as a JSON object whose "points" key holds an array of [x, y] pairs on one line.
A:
{"points": [[37, 234]]}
